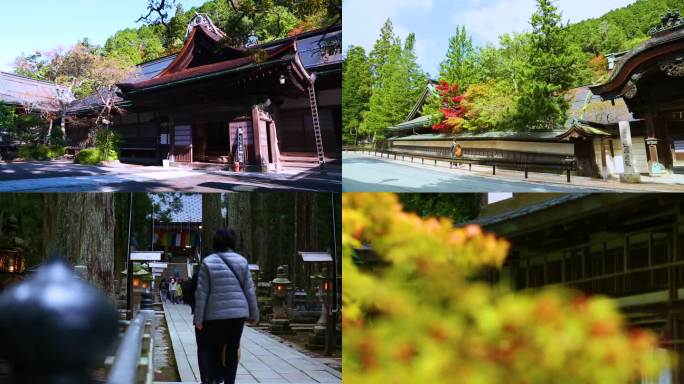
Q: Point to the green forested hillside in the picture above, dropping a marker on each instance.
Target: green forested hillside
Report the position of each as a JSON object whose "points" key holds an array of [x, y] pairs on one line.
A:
{"points": [[623, 28], [265, 19]]}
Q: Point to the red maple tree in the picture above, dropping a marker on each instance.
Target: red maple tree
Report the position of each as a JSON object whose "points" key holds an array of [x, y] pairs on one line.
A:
{"points": [[452, 111]]}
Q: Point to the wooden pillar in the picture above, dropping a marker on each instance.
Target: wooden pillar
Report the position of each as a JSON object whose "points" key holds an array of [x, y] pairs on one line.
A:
{"points": [[256, 119], [649, 117], [275, 148], [172, 139], [604, 165]]}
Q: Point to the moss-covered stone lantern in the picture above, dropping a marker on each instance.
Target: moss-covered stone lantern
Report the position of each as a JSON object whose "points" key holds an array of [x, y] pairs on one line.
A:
{"points": [[280, 323]]}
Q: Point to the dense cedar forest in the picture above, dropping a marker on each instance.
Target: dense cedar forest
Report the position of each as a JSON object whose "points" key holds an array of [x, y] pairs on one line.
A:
{"points": [[517, 85], [92, 229]]}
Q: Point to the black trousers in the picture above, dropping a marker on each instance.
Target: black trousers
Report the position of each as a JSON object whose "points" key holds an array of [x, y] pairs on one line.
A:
{"points": [[202, 355], [220, 336]]}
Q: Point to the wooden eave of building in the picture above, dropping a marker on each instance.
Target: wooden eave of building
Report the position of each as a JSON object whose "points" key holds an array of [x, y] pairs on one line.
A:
{"points": [[553, 212], [421, 101], [220, 69], [583, 130], [188, 54], [648, 54], [411, 126]]}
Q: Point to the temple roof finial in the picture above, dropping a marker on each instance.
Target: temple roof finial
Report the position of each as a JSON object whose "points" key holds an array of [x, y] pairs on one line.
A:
{"points": [[203, 21], [668, 21]]}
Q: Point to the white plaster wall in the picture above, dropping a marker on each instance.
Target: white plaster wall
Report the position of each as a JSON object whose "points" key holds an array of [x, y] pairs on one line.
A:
{"points": [[520, 146], [615, 164]]}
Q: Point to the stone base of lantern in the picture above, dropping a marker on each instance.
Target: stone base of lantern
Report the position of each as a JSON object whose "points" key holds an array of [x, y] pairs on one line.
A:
{"points": [[280, 327], [317, 339]]}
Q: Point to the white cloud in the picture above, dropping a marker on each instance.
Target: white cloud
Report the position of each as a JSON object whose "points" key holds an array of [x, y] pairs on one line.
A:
{"points": [[489, 20], [362, 19]]}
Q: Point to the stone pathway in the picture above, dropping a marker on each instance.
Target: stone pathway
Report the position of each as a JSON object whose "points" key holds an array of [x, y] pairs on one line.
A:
{"points": [[262, 358], [364, 172], [64, 176]]}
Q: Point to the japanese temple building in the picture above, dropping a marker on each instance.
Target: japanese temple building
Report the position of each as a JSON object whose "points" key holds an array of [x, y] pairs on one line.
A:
{"points": [[32, 96], [266, 106], [626, 246], [645, 91], [650, 79]]}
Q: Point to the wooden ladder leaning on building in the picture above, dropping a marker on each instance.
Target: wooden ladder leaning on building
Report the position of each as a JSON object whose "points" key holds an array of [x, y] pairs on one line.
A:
{"points": [[316, 123]]}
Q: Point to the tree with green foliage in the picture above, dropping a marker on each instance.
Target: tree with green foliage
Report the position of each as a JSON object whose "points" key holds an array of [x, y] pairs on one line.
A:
{"points": [[416, 78], [460, 63], [397, 81], [458, 207], [489, 106], [382, 47], [551, 70], [8, 117], [134, 46], [356, 92]]}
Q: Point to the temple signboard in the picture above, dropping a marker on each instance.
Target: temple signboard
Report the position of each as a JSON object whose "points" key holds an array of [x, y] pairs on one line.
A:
{"points": [[631, 174], [240, 146]]}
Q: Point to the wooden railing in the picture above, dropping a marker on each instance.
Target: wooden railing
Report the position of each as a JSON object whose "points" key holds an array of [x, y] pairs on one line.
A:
{"points": [[523, 161]]}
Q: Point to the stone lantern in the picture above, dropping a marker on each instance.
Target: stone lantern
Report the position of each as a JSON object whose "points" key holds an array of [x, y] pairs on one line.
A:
{"points": [[280, 323], [55, 327], [317, 339]]}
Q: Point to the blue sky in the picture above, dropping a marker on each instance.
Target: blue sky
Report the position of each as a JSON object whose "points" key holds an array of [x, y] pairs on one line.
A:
{"points": [[434, 21], [31, 25]]}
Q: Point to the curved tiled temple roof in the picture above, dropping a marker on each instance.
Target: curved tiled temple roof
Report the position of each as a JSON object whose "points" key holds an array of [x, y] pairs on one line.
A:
{"points": [[42, 95], [309, 47]]}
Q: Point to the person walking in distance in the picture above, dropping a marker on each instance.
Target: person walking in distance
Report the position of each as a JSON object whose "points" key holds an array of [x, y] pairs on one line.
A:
{"points": [[225, 298], [172, 290]]}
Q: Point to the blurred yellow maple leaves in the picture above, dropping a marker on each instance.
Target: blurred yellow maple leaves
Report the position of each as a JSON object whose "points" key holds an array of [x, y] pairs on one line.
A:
{"points": [[423, 316]]}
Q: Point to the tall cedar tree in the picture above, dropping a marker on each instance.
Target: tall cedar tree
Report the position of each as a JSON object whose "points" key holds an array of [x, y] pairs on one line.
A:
{"points": [[397, 84], [460, 63], [356, 92], [550, 70]]}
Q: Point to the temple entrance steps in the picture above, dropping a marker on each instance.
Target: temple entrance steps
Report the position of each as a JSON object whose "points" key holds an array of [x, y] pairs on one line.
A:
{"points": [[305, 159], [175, 270]]}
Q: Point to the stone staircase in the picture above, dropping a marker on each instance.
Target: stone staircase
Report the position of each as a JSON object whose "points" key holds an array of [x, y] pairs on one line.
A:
{"points": [[305, 160], [172, 268]]}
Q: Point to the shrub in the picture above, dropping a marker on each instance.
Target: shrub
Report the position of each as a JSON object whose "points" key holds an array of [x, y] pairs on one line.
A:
{"points": [[107, 142], [90, 156], [56, 151], [34, 152], [40, 152], [113, 155]]}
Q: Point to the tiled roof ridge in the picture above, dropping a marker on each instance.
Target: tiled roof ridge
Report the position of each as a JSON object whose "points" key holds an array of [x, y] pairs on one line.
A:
{"points": [[32, 79]]}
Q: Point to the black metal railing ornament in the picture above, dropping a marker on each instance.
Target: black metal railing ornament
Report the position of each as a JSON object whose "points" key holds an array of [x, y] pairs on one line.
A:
{"points": [[668, 21], [55, 327]]}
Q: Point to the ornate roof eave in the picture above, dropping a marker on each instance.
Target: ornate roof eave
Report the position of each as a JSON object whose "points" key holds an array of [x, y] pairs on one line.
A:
{"points": [[280, 56], [623, 79], [581, 129], [203, 21], [429, 90], [200, 24]]}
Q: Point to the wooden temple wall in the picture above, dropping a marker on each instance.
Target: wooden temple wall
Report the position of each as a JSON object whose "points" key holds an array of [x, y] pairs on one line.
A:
{"points": [[641, 268], [295, 125], [139, 133]]}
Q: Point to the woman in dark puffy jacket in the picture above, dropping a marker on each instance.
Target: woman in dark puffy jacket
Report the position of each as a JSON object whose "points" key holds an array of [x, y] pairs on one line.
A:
{"points": [[224, 300]]}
